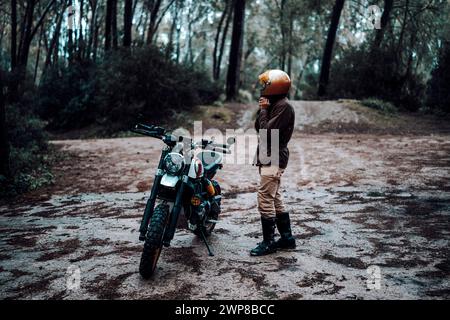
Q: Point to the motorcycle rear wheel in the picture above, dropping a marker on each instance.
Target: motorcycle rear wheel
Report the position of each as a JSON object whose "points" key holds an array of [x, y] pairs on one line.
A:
{"points": [[153, 241]]}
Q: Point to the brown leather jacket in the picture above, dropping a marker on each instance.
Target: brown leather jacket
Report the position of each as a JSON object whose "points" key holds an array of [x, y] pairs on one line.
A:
{"points": [[279, 115]]}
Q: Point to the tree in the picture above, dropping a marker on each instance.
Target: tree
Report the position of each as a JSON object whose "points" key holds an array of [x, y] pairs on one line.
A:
{"points": [[237, 38], [328, 51], [53, 47], [108, 23], [439, 84], [127, 22], [216, 53], [222, 44], [13, 34], [115, 37], [154, 7], [70, 45], [385, 18], [4, 145]]}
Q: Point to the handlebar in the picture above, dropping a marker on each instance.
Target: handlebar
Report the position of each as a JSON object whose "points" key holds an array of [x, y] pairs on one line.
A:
{"points": [[171, 140]]}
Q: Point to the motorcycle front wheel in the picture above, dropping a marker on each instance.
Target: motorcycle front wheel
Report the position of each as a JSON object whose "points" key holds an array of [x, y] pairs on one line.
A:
{"points": [[153, 241]]}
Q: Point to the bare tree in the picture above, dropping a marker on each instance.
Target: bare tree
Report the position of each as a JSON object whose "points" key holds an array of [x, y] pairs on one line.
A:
{"points": [[115, 37], [127, 22], [328, 52], [70, 44], [92, 27], [13, 34], [216, 40], [154, 7], [385, 17], [224, 37], [53, 42], [108, 23], [237, 38]]}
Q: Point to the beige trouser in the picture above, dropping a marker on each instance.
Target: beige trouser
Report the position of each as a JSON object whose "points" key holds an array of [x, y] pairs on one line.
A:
{"points": [[270, 201]]}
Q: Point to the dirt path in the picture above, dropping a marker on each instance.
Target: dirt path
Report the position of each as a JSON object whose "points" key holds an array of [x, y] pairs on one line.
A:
{"points": [[359, 200]]}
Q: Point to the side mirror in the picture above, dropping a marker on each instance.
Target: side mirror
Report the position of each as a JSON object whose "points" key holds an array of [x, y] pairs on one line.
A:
{"points": [[231, 140]]}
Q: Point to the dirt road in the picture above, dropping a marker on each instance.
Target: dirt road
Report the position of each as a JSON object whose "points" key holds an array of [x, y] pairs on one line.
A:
{"points": [[360, 202]]}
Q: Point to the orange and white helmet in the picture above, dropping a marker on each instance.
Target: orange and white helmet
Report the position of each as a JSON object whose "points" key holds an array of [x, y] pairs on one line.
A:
{"points": [[274, 82]]}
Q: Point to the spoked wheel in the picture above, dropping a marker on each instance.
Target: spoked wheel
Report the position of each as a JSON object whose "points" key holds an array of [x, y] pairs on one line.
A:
{"points": [[153, 241]]}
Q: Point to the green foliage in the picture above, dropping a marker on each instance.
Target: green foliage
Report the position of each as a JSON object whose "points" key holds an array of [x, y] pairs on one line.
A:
{"points": [[380, 105], [66, 96], [438, 93], [29, 160], [361, 73], [143, 82], [125, 86]]}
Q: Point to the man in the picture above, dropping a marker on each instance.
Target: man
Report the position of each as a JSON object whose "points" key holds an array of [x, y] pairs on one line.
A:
{"points": [[276, 116]]}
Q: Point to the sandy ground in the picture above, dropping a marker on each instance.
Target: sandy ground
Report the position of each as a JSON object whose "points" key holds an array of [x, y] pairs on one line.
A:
{"points": [[358, 202]]}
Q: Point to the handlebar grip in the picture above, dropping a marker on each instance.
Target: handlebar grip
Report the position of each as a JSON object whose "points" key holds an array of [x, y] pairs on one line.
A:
{"points": [[221, 150], [148, 133], [217, 145]]}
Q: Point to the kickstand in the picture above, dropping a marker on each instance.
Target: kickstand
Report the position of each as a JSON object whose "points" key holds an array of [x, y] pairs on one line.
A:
{"points": [[202, 235]]}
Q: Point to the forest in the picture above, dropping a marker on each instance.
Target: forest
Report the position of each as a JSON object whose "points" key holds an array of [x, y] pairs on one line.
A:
{"points": [[71, 64]]}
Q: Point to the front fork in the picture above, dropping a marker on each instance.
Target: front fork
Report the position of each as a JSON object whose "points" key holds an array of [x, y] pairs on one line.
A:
{"points": [[148, 212], [170, 231]]}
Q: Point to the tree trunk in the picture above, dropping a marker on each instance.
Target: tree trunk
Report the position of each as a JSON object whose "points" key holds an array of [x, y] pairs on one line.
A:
{"points": [[38, 55], [13, 34], [108, 23], [95, 44], [127, 22], [328, 52], [4, 145], [290, 48], [234, 66], [115, 38], [399, 48], [81, 45], [284, 39], [26, 37], [170, 46], [54, 40], [385, 18], [154, 6], [92, 27], [216, 40], [224, 37], [70, 16]]}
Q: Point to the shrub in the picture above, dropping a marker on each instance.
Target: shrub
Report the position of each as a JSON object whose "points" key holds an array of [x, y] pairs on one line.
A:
{"points": [[29, 161], [126, 85], [66, 96], [438, 93], [380, 105], [143, 82], [359, 74]]}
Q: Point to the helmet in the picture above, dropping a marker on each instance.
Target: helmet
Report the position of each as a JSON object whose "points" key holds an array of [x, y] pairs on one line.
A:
{"points": [[274, 82]]}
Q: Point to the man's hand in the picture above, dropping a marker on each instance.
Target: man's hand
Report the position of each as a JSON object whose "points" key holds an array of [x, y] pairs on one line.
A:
{"points": [[264, 103]]}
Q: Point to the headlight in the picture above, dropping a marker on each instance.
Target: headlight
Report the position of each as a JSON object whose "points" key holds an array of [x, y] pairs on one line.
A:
{"points": [[174, 163]]}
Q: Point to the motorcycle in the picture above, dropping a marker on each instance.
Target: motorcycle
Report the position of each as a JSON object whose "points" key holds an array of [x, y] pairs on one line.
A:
{"points": [[183, 183]]}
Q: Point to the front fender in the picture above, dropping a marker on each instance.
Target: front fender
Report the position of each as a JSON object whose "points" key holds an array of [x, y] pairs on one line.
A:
{"points": [[169, 180]]}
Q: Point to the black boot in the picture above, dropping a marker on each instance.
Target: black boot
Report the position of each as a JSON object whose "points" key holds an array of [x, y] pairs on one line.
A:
{"points": [[286, 241], [267, 246]]}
